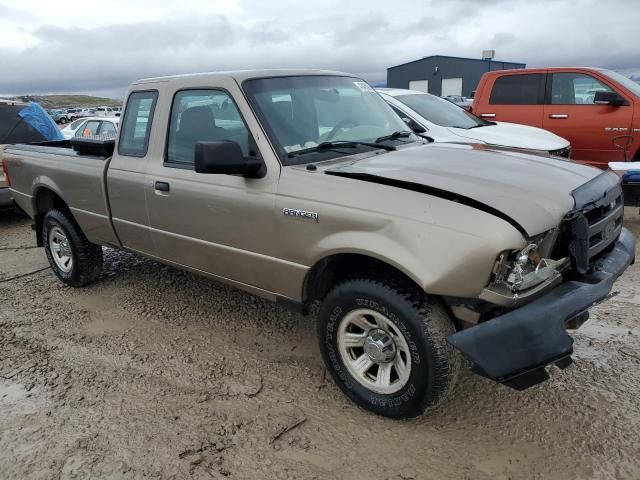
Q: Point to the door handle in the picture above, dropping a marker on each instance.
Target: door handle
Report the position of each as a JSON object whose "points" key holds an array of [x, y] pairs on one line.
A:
{"points": [[487, 115], [161, 186], [559, 115]]}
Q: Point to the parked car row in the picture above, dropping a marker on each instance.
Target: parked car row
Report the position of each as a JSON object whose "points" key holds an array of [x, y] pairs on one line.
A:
{"points": [[304, 187], [68, 115]]}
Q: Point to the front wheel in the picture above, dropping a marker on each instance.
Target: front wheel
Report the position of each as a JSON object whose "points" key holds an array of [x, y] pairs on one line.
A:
{"points": [[386, 348], [74, 260]]}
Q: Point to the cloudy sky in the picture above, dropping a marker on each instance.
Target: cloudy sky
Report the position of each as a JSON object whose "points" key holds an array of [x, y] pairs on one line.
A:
{"points": [[99, 47]]}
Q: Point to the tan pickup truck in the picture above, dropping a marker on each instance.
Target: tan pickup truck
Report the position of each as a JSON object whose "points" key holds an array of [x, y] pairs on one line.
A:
{"points": [[305, 188]]}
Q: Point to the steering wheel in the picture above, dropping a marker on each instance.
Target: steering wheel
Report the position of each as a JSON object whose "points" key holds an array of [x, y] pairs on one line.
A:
{"points": [[341, 124]]}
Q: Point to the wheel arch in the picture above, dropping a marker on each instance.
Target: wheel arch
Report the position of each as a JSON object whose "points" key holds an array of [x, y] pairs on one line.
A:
{"points": [[334, 268], [45, 199]]}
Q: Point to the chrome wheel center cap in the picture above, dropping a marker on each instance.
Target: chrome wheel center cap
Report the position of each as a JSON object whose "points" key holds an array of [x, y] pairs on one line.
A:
{"points": [[379, 346]]}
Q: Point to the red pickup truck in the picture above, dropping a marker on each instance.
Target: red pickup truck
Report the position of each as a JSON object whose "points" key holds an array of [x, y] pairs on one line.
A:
{"points": [[597, 110]]}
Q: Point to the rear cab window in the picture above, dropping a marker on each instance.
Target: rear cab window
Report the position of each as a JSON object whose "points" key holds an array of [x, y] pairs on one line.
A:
{"points": [[136, 123], [519, 89]]}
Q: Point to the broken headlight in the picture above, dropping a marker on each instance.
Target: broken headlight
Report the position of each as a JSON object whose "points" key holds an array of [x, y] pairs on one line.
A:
{"points": [[520, 270]]}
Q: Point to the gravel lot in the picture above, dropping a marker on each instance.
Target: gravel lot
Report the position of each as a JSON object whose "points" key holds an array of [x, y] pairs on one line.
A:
{"points": [[157, 373]]}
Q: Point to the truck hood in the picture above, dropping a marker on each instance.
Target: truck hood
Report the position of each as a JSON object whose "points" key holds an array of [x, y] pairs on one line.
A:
{"points": [[531, 192], [513, 135]]}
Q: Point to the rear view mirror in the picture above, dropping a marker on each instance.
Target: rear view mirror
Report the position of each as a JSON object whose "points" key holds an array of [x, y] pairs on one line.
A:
{"points": [[225, 157], [609, 98]]}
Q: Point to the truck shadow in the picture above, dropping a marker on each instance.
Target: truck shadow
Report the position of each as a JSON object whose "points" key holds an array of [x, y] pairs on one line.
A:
{"points": [[12, 216]]}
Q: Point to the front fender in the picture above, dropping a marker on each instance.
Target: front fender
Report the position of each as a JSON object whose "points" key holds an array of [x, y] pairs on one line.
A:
{"points": [[439, 260]]}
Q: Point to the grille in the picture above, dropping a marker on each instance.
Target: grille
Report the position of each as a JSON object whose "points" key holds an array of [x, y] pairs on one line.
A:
{"points": [[562, 152], [595, 223]]}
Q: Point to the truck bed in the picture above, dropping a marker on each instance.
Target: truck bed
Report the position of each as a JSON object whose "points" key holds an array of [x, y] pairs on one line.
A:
{"points": [[97, 147], [55, 168]]}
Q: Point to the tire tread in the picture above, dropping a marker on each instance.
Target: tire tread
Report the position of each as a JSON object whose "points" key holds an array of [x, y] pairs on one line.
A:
{"points": [[88, 259], [437, 325]]}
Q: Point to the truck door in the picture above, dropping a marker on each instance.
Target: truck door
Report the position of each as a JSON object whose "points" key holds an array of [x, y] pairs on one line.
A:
{"points": [[516, 98], [218, 224], [593, 130], [127, 173]]}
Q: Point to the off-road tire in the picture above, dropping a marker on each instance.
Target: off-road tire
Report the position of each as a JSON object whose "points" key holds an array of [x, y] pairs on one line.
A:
{"points": [[87, 256], [425, 324]]}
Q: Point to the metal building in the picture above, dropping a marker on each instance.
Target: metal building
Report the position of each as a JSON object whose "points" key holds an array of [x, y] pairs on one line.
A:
{"points": [[442, 75]]}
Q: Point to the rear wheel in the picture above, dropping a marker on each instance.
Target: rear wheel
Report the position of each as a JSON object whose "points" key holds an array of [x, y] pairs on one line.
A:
{"points": [[74, 260], [386, 348]]}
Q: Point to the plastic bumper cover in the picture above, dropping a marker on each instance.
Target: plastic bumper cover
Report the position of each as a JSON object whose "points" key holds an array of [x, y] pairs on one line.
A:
{"points": [[515, 347]]}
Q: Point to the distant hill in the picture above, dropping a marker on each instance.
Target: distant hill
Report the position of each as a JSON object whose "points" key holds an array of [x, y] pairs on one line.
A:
{"points": [[58, 101]]}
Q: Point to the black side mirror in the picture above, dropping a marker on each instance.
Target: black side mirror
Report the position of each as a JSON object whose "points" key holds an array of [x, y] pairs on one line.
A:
{"points": [[609, 98], [413, 125], [225, 157]]}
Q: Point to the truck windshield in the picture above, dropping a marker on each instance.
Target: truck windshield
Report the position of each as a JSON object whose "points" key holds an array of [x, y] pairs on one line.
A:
{"points": [[440, 111], [301, 113], [626, 82]]}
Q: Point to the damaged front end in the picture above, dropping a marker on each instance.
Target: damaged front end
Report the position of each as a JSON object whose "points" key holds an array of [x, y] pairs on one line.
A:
{"points": [[547, 287], [518, 276]]}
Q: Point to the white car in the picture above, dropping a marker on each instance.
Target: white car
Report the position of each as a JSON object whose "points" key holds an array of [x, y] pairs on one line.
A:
{"points": [[86, 127], [445, 122], [106, 112]]}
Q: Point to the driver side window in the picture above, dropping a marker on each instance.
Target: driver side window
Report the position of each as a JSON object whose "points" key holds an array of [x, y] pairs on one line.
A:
{"points": [[575, 89], [204, 116]]}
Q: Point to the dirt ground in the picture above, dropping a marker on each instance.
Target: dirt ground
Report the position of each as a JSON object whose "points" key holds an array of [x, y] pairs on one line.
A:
{"points": [[157, 373]]}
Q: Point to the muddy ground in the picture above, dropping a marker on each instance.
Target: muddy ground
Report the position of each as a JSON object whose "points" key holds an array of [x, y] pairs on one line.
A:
{"points": [[157, 373]]}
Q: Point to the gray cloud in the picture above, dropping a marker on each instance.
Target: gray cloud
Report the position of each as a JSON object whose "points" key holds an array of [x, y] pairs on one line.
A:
{"points": [[356, 37], [7, 13]]}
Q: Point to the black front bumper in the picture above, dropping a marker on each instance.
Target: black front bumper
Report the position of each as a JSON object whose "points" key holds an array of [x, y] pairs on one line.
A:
{"points": [[515, 347]]}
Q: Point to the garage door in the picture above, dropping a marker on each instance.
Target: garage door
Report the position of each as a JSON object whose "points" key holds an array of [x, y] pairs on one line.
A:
{"points": [[451, 86], [419, 85]]}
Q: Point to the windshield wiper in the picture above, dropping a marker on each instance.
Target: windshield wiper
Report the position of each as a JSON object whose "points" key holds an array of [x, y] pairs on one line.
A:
{"points": [[394, 136], [339, 143]]}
